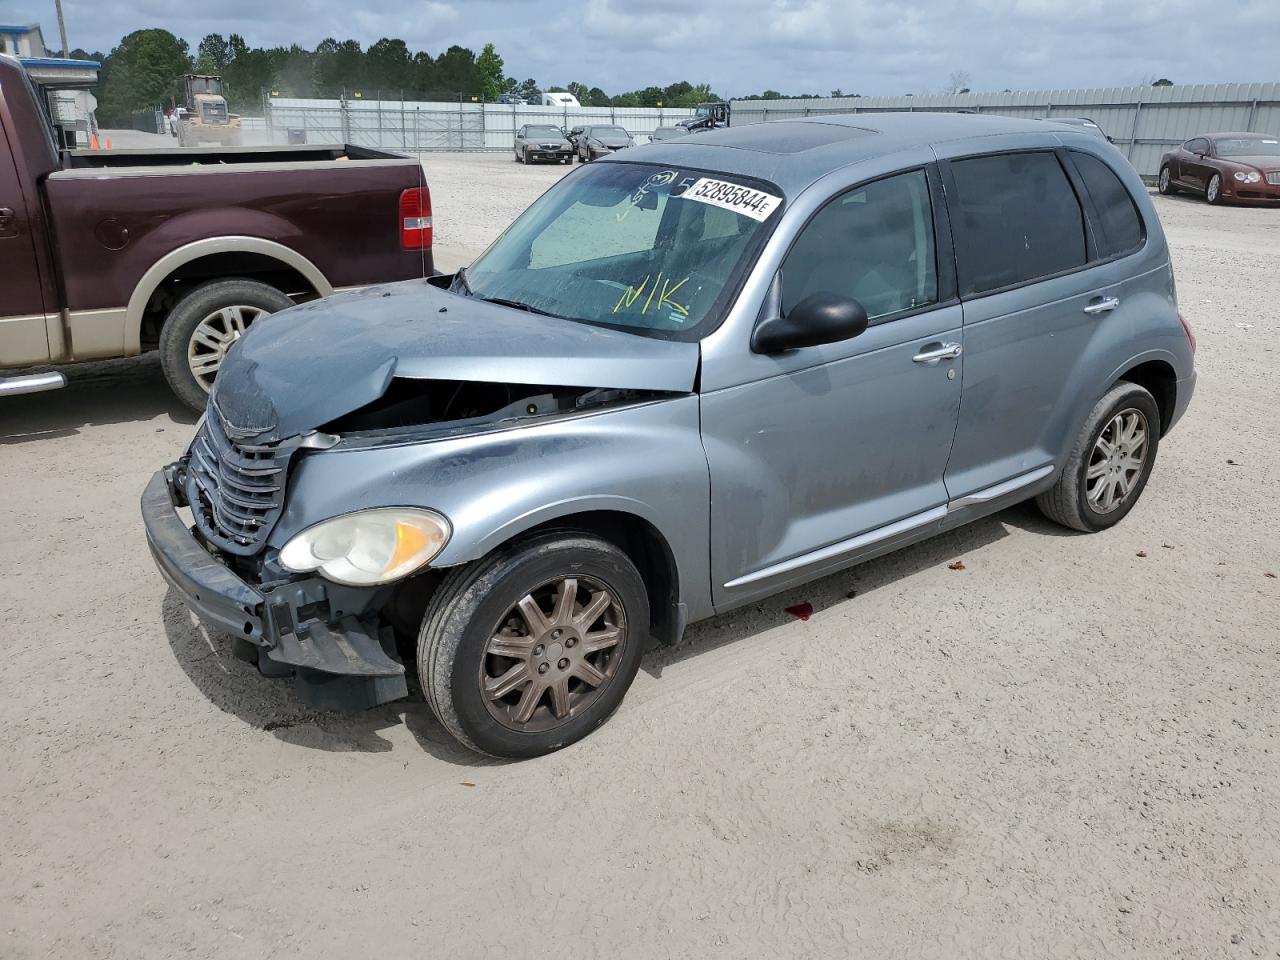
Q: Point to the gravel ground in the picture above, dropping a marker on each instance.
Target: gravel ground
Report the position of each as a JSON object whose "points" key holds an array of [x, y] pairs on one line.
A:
{"points": [[1066, 749]]}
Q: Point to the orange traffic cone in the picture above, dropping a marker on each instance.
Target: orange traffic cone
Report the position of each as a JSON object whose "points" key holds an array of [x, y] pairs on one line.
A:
{"points": [[93, 141], [108, 143]]}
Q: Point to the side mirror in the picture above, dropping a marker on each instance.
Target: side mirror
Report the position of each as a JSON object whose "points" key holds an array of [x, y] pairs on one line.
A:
{"points": [[818, 318]]}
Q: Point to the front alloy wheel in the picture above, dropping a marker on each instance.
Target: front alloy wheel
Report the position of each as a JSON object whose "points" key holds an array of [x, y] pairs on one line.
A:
{"points": [[533, 646], [554, 654]]}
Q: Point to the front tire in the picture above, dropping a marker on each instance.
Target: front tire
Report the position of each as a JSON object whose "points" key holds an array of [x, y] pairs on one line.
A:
{"points": [[531, 648], [203, 326], [1213, 190], [1108, 467]]}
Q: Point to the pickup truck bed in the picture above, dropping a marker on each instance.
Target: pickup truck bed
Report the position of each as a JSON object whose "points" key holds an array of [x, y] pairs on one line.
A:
{"points": [[108, 254]]}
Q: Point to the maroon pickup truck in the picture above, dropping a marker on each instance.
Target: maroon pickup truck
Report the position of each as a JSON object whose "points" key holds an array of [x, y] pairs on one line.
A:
{"points": [[108, 254]]}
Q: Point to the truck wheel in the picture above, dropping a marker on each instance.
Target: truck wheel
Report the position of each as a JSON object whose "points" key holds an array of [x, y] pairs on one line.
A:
{"points": [[533, 647], [1108, 468], [204, 325]]}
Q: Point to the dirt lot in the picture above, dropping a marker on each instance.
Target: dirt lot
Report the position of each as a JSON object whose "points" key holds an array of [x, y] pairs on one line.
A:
{"points": [[1068, 748]]}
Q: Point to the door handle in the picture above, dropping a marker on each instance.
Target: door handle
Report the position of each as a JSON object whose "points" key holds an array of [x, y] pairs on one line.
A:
{"points": [[1101, 306], [8, 222], [942, 351]]}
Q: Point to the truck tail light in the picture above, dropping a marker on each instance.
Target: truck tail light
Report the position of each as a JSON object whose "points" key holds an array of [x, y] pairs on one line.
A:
{"points": [[415, 218], [1187, 327]]}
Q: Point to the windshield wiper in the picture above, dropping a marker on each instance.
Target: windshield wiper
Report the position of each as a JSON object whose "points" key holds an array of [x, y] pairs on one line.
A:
{"points": [[461, 277], [521, 305]]}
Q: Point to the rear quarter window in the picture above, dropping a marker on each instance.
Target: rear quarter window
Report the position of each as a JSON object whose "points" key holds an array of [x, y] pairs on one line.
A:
{"points": [[1120, 223], [1016, 219]]}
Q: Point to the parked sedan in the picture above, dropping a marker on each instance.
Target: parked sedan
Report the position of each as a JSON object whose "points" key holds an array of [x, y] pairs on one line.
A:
{"points": [[600, 141], [1225, 167], [671, 389], [539, 141]]}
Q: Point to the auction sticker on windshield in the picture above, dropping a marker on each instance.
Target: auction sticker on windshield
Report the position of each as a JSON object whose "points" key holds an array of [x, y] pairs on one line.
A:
{"points": [[747, 201]]}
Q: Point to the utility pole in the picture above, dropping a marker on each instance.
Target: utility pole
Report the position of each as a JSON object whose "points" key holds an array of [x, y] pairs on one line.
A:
{"points": [[62, 29]]}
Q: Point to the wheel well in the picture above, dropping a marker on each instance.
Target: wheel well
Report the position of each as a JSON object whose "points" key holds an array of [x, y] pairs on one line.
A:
{"points": [[647, 549], [1159, 379], [219, 266]]}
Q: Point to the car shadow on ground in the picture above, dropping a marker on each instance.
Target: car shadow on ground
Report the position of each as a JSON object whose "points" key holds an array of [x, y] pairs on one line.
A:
{"points": [[273, 706], [98, 393], [893, 570]]}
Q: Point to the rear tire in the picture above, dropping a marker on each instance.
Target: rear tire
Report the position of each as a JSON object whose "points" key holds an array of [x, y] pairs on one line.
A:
{"points": [[1079, 498], [1165, 184], [245, 301], [547, 702]]}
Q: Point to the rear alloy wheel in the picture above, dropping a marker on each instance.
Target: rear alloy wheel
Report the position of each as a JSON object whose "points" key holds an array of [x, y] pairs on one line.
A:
{"points": [[1165, 183], [204, 325], [1213, 192], [1108, 468], [534, 646]]}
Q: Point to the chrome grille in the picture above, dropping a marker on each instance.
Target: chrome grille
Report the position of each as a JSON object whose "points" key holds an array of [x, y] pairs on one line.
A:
{"points": [[235, 490], [1273, 178]]}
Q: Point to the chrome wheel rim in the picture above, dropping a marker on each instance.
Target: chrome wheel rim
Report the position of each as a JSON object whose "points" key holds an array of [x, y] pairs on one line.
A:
{"points": [[1164, 180], [553, 654], [214, 336], [1214, 183], [1115, 465]]}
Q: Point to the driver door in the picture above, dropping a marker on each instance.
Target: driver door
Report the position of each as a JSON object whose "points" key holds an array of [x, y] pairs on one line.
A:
{"points": [[827, 454]]}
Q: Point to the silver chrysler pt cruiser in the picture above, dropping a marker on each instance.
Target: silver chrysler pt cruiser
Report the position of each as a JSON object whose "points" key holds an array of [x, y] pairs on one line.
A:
{"points": [[689, 376]]}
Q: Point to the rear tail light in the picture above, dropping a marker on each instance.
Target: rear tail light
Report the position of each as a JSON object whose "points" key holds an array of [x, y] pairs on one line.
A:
{"points": [[1187, 327], [415, 218]]}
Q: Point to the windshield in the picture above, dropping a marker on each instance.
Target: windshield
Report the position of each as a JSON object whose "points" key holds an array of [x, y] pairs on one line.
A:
{"points": [[1249, 147], [645, 248], [543, 132], [609, 132]]}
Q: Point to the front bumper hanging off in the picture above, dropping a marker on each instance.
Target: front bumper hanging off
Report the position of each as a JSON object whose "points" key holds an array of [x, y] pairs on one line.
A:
{"points": [[294, 624]]}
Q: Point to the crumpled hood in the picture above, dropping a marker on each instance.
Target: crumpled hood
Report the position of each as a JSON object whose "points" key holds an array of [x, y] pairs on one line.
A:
{"points": [[303, 367]]}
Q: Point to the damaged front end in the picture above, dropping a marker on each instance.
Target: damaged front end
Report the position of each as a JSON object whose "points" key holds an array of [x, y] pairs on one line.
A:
{"points": [[380, 427]]}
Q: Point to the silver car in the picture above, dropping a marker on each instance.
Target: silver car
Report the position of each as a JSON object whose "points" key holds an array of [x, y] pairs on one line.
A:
{"points": [[601, 140], [683, 380], [542, 141]]}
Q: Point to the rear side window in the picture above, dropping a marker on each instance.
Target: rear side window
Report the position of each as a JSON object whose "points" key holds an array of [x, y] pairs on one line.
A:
{"points": [[1015, 219], [1121, 225]]}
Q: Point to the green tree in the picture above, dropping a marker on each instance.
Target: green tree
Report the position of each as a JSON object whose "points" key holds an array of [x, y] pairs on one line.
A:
{"points": [[455, 71], [212, 54], [339, 66], [580, 92], [596, 98], [144, 70], [388, 66], [489, 72]]}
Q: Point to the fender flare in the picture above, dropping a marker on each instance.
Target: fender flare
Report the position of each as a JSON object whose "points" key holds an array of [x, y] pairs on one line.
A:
{"points": [[185, 254]]}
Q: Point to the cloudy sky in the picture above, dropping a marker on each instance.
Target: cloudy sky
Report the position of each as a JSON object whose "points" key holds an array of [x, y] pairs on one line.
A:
{"points": [[744, 46]]}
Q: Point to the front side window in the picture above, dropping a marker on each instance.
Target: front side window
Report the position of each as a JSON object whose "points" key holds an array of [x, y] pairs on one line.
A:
{"points": [[1121, 226], [1015, 218], [874, 244], [645, 248]]}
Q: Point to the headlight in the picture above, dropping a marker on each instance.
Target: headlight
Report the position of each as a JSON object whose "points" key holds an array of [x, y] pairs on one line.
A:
{"points": [[369, 547], [1253, 176]]}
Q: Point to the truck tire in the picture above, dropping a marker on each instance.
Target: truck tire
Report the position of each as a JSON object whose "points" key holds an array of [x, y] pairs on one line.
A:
{"points": [[512, 664], [204, 325]]}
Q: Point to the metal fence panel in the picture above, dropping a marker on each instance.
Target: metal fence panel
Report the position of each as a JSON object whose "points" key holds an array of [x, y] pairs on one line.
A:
{"points": [[1145, 122], [426, 126]]}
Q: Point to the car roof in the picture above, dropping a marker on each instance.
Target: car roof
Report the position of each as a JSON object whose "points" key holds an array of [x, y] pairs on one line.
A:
{"points": [[1226, 136], [794, 153]]}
